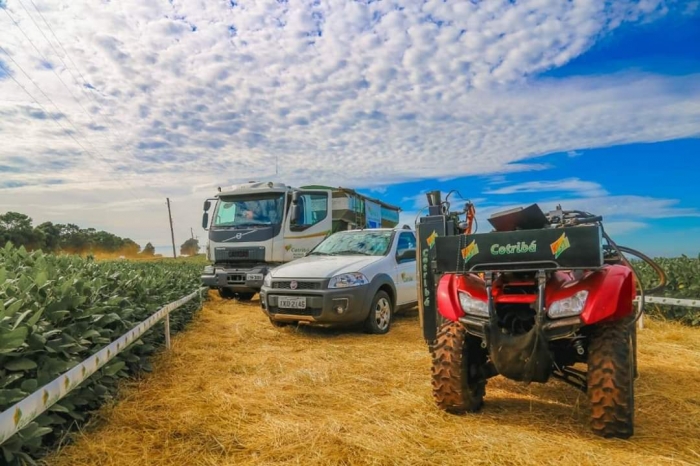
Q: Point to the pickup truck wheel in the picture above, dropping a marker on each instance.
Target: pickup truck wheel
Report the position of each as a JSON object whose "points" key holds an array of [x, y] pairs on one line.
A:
{"points": [[380, 314]]}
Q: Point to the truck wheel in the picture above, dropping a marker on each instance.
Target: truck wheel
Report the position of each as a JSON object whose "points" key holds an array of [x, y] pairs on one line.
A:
{"points": [[380, 314], [245, 296], [611, 380], [457, 358], [226, 293]]}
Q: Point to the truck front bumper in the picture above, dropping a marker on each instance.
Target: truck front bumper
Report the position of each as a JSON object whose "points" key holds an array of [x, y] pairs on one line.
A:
{"points": [[243, 280], [322, 306]]}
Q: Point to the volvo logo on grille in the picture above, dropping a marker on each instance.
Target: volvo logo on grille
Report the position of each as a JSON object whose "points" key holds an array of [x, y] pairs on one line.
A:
{"points": [[293, 285]]}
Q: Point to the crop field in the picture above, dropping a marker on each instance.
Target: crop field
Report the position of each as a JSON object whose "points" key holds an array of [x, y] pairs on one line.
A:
{"points": [[235, 390], [55, 311]]}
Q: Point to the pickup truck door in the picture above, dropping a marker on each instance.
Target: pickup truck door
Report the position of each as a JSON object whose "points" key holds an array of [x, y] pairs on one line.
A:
{"points": [[315, 222], [405, 275]]}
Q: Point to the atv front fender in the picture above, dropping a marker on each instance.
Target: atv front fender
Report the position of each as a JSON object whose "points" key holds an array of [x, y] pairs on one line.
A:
{"points": [[611, 293], [448, 297]]}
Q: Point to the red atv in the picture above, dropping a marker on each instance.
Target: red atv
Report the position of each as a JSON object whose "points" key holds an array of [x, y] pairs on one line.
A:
{"points": [[533, 299]]}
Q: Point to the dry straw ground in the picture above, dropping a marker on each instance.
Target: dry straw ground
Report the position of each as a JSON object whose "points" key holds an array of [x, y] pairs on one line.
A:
{"points": [[235, 390]]}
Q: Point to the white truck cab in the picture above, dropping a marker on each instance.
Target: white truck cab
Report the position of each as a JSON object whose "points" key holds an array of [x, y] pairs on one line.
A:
{"points": [[351, 277]]}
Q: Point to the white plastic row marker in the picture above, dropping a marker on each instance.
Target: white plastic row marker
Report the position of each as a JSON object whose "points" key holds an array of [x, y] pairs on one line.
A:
{"points": [[666, 301], [670, 301], [18, 416]]}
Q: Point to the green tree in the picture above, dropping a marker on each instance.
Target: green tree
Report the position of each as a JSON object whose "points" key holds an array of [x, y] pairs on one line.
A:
{"points": [[148, 250], [17, 229], [51, 236], [190, 247]]}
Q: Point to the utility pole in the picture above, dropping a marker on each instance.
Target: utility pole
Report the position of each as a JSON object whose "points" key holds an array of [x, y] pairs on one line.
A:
{"points": [[172, 234], [191, 233]]}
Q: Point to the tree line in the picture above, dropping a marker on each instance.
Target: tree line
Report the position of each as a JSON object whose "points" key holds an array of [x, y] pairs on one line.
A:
{"points": [[19, 230]]}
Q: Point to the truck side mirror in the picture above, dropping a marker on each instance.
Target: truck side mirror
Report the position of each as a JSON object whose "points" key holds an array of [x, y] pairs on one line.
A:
{"points": [[205, 220], [296, 208], [207, 205]]}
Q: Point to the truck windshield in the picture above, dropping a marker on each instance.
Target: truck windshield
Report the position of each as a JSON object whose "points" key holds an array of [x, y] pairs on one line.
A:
{"points": [[243, 211], [367, 243]]}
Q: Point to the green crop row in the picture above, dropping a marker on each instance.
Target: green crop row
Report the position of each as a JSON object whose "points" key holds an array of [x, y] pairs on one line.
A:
{"points": [[683, 281], [56, 311]]}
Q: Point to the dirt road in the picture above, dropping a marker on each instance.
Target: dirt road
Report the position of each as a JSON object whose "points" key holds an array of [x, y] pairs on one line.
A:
{"points": [[236, 391]]}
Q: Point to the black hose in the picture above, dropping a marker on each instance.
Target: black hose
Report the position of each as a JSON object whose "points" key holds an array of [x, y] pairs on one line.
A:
{"points": [[663, 279]]}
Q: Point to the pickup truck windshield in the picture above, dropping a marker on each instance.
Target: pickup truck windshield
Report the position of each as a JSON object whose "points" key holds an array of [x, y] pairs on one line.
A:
{"points": [[366, 243], [241, 211]]}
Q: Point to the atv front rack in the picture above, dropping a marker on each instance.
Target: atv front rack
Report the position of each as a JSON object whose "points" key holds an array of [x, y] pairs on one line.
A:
{"points": [[568, 248]]}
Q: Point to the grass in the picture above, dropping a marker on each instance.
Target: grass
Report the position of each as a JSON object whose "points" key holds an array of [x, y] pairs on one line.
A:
{"points": [[236, 391]]}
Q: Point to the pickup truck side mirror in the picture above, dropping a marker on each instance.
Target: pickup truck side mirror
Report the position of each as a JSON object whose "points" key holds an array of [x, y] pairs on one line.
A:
{"points": [[205, 220], [406, 255]]}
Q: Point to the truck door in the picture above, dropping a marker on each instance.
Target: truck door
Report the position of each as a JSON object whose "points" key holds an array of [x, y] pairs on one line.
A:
{"points": [[406, 285], [311, 226]]}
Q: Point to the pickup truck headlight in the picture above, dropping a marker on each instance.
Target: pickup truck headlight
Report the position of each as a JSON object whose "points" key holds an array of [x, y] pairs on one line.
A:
{"points": [[208, 270], [267, 281], [347, 280], [567, 307], [473, 306]]}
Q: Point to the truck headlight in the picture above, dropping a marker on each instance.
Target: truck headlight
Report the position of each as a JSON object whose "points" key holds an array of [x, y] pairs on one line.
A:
{"points": [[346, 280], [474, 306], [267, 281], [208, 270], [571, 306]]}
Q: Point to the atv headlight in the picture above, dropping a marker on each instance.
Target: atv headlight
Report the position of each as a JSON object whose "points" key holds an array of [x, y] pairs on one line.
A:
{"points": [[474, 306], [347, 280], [571, 306], [208, 270], [267, 281]]}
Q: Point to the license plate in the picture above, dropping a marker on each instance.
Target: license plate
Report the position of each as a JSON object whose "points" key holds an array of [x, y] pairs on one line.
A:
{"points": [[288, 302], [254, 277]]}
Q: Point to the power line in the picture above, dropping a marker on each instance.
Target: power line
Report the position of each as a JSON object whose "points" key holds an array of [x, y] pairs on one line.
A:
{"points": [[52, 69], [84, 81], [7, 72]]}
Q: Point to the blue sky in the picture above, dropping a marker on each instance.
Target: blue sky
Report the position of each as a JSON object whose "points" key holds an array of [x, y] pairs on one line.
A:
{"points": [[106, 111], [648, 192]]}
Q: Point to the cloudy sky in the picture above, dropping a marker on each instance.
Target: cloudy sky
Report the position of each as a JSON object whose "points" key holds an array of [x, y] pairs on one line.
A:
{"points": [[109, 107]]}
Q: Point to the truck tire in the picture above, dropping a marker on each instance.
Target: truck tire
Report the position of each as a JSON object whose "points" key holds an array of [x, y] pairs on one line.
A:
{"points": [[611, 380], [457, 359], [226, 293], [245, 296], [381, 312]]}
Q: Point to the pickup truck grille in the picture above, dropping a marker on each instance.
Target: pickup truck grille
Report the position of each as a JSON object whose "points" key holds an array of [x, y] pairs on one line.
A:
{"points": [[287, 285]]}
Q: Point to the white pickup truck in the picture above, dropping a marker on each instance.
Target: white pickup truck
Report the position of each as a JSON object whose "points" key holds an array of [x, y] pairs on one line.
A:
{"points": [[351, 277]]}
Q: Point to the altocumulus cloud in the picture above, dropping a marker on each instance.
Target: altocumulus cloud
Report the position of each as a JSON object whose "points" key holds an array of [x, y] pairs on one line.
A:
{"points": [[170, 95]]}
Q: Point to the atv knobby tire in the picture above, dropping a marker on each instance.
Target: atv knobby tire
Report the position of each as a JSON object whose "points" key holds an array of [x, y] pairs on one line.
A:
{"points": [[456, 359], [611, 362]]}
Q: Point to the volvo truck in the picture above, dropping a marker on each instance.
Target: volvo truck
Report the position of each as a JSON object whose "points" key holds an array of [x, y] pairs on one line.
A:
{"points": [[257, 226]]}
